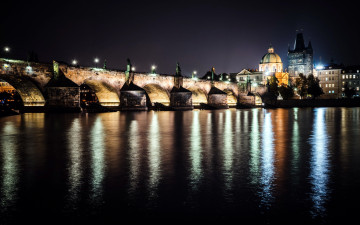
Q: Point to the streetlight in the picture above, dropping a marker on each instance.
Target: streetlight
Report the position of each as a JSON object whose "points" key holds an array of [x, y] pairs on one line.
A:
{"points": [[153, 68], [7, 49], [74, 62], [96, 61], [133, 68], [194, 74]]}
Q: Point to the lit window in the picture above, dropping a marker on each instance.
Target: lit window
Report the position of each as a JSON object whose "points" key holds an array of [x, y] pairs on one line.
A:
{"points": [[357, 88], [329, 91], [325, 72], [320, 85], [347, 77], [332, 91], [343, 76], [326, 78], [326, 85], [354, 76]]}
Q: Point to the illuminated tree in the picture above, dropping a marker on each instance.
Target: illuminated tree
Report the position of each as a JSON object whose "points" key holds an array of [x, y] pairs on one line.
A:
{"points": [[273, 84], [301, 85]]}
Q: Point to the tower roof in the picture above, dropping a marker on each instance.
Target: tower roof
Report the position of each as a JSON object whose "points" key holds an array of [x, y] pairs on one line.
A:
{"points": [[299, 42]]}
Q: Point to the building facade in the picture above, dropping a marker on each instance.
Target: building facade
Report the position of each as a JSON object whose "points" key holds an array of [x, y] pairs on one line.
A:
{"points": [[351, 78], [330, 82], [300, 58]]}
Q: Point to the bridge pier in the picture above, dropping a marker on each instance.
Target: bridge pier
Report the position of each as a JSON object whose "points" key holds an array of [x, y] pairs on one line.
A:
{"points": [[132, 98], [62, 93], [181, 99], [217, 98]]}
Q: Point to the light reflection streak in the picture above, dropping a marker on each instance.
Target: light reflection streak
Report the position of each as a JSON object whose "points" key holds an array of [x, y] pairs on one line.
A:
{"points": [[154, 155], [228, 150], [75, 155], [195, 151], [319, 164], [97, 138], [295, 141], [209, 143], [267, 176], [254, 148], [8, 191], [134, 156]]}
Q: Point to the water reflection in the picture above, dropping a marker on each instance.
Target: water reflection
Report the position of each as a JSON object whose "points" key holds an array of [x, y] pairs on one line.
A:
{"points": [[228, 151], [254, 148], [195, 152], [134, 156], [154, 155], [75, 156], [295, 143], [8, 148], [267, 161], [97, 145], [319, 164]]}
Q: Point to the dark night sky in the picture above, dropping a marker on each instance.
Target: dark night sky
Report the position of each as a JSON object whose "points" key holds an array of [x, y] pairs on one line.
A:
{"points": [[228, 35]]}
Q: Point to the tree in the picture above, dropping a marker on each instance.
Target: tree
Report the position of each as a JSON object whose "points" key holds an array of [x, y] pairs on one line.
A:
{"points": [[349, 92], [286, 91], [301, 85], [273, 84], [313, 85]]}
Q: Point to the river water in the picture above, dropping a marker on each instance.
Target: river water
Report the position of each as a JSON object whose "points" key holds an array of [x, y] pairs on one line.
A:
{"points": [[258, 166]]}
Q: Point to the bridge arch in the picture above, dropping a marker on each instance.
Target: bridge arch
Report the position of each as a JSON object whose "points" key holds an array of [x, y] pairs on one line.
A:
{"points": [[198, 95], [106, 95], [157, 94], [231, 97], [30, 94]]}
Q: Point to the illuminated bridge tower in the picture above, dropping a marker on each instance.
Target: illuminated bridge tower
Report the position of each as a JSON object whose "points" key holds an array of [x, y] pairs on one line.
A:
{"points": [[301, 57]]}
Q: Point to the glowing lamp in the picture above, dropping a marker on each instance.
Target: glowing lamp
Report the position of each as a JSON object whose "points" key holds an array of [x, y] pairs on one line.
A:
{"points": [[320, 67], [74, 62], [7, 49], [96, 60]]}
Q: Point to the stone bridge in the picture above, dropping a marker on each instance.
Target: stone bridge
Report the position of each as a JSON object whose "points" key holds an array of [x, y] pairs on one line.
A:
{"points": [[30, 80]]}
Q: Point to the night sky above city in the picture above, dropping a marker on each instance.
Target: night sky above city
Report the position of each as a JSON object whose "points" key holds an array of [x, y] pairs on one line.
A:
{"points": [[228, 35]]}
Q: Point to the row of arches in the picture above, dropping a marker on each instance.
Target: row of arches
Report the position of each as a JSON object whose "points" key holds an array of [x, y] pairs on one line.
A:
{"points": [[99, 92]]}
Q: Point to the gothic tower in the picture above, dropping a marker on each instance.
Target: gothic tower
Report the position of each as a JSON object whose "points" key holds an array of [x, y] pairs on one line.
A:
{"points": [[301, 57]]}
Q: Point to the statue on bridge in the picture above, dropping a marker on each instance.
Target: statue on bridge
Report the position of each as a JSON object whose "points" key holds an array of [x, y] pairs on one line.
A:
{"points": [[128, 77], [178, 70]]}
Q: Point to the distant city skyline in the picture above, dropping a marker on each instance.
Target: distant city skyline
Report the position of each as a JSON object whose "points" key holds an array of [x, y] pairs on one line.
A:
{"points": [[198, 34]]}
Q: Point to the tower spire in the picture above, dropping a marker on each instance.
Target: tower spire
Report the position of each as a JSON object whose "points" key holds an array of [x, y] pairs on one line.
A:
{"points": [[299, 42]]}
